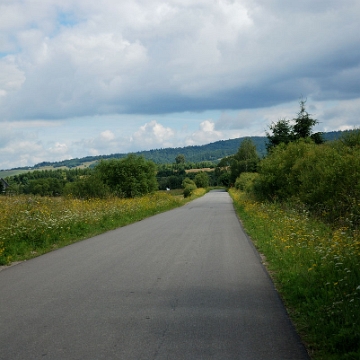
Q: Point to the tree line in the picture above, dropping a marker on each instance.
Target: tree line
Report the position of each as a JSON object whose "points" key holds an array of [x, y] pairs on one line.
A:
{"points": [[126, 177]]}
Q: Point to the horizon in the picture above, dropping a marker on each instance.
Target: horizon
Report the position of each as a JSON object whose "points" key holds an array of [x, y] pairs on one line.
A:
{"points": [[80, 78], [142, 151]]}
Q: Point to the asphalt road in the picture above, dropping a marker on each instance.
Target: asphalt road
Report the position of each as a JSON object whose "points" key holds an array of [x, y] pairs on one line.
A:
{"points": [[185, 284]]}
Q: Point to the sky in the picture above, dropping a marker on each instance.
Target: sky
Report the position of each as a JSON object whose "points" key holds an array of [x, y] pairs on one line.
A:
{"points": [[97, 77]]}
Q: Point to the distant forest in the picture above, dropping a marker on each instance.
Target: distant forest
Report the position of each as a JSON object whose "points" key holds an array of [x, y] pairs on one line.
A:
{"points": [[211, 152]]}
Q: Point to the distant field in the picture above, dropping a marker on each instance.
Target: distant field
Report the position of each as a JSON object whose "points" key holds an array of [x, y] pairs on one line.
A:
{"points": [[198, 170], [6, 173]]}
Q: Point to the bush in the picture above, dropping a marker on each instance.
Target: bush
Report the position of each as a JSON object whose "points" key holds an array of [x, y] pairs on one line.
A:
{"points": [[189, 189], [128, 177], [45, 187], [324, 178], [202, 180], [245, 181], [187, 182], [277, 181], [88, 187], [330, 183]]}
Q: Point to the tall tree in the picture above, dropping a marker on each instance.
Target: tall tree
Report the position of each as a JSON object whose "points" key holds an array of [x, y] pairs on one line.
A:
{"points": [[284, 132], [180, 159], [304, 124], [245, 160], [281, 133]]}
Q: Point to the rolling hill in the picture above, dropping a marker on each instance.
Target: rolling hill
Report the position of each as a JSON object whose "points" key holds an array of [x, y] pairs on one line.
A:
{"points": [[209, 152]]}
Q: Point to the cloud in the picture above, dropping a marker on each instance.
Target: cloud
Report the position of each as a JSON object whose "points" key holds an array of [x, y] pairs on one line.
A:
{"points": [[153, 135], [11, 78], [68, 58], [205, 134], [113, 75]]}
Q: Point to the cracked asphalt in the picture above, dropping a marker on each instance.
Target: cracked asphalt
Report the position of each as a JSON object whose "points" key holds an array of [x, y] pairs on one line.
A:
{"points": [[185, 284]]}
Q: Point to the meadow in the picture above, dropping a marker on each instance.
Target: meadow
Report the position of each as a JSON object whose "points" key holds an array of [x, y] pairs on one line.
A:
{"points": [[33, 225], [316, 269]]}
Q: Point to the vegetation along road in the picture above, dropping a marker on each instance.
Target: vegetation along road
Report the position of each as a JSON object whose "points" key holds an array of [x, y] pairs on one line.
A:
{"points": [[185, 284]]}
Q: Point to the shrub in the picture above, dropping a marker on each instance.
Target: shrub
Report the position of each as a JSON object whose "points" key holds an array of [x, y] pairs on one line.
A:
{"points": [[128, 177], [88, 187], [187, 181], [202, 180], [324, 178], [245, 181], [189, 189], [330, 183], [277, 180]]}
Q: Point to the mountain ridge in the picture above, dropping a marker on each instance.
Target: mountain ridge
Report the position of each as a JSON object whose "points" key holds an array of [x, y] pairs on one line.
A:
{"points": [[193, 153]]}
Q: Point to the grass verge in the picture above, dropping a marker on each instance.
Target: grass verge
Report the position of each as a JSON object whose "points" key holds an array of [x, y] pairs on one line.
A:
{"points": [[31, 226], [316, 270]]}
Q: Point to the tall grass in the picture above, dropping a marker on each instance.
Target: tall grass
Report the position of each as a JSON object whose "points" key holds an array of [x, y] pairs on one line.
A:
{"points": [[316, 269], [33, 225]]}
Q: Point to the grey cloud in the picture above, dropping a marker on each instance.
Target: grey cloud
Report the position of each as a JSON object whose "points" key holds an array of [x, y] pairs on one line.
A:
{"points": [[155, 57]]}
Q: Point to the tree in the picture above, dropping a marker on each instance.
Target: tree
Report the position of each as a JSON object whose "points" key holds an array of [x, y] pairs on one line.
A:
{"points": [[180, 159], [304, 124], [128, 177], [281, 133], [202, 180], [284, 132], [245, 160], [87, 187]]}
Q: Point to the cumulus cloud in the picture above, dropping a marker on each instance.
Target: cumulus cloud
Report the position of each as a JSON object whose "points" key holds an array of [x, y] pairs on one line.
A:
{"points": [[153, 135], [205, 134], [19, 148]]}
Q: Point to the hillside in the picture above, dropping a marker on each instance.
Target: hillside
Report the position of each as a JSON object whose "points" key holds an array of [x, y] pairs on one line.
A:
{"points": [[209, 152]]}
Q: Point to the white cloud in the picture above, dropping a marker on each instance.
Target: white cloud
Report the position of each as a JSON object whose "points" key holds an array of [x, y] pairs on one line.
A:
{"points": [[107, 135], [59, 149], [11, 78], [153, 135], [205, 134]]}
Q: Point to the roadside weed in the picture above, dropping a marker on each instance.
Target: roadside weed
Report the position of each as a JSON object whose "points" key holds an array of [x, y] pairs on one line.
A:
{"points": [[316, 270], [33, 225]]}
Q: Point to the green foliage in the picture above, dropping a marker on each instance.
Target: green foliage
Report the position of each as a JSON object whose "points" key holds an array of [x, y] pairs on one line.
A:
{"points": [[281, 133], [32, 225], [351, 138], [245, 160], [44, 187], [202, 180], [189, 190], [189, 187], [284, 132], [224, 179], [128, 177], [180, 159], [87, 187], [303, 123], [316, 270], [276, 180], [245, 182], [187, 181], [325, 178]]}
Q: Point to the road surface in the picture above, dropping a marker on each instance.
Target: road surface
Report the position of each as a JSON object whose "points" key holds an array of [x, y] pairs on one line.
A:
{"points": [[185, 284]]}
